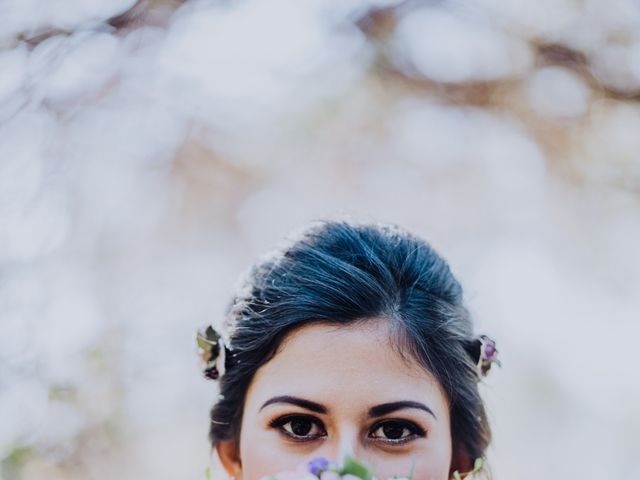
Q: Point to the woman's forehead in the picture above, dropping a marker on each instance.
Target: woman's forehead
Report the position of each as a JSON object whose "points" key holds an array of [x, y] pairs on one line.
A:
{"points": [[356, 363], [359, 342]]}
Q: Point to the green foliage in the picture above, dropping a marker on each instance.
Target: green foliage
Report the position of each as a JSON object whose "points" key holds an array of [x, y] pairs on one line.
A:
{"points": [[353, 466], [12, 464]]}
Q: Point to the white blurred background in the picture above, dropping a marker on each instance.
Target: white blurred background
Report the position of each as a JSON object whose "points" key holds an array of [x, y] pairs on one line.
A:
{"points": [[150, 151]]}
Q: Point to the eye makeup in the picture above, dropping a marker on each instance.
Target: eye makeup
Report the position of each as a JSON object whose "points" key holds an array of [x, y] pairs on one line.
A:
{"points": [[396, 431], [297, 427], [307, 428]]}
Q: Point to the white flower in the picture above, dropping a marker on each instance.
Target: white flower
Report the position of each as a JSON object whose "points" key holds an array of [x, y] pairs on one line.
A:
{"points": [[220, 362]]}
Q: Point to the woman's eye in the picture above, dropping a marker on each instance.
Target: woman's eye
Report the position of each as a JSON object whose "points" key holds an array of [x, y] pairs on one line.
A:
{"points": [[396, 431], [299, 427]]}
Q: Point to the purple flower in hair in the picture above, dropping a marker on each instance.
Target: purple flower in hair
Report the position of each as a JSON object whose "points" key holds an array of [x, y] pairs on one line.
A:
{"points": [[489, 350], [488, 354]]}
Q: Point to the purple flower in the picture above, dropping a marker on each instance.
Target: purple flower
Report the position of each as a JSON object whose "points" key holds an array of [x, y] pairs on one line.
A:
{"points": [[489, 349], [488, 355], [318, 465]]}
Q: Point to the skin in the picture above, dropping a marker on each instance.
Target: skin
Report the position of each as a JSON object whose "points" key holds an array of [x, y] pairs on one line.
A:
{"points": [[346, 371]]}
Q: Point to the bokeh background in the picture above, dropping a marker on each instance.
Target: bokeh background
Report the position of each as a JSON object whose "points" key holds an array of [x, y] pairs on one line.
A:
{"points": [[150, 151]]}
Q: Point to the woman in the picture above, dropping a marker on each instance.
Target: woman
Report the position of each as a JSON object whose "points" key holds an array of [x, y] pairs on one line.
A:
{"points": [[349, 340]]}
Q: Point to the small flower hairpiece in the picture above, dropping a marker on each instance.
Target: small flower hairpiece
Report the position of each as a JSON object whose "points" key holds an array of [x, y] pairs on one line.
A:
{"points": [[488, 355], [477, 466], [212, 351]]}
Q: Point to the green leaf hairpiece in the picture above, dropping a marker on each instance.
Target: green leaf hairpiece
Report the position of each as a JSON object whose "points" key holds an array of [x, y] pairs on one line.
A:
{"points": [[477, 466], [212, 351]]}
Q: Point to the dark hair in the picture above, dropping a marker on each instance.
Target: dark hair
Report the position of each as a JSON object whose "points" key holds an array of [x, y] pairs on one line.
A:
{"points": [[341, 272]]}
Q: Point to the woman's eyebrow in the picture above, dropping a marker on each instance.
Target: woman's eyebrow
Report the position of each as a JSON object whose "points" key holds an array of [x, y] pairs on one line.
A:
{"points": [[300, 402], [386, 408]]}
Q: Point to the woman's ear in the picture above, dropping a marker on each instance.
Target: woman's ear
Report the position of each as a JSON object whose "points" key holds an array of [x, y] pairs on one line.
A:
{"points": [[229, 454]]}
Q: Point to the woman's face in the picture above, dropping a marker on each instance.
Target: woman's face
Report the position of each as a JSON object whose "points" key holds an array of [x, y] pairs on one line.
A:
{"points": [[335, 390]]}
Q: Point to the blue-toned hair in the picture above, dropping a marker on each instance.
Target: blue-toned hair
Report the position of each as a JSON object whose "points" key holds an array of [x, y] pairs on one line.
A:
{"points": [[341, 272]]}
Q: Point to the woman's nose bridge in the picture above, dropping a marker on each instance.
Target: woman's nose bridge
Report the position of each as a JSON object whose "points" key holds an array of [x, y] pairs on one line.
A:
{"points": [[345, 442]]}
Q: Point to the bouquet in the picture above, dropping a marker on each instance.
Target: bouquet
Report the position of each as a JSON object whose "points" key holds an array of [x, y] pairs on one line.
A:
{"points": [[320, 468]]}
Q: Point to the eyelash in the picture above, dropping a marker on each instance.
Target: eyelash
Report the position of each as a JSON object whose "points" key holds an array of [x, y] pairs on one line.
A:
{"points": [[415, 430], [281, 421]]}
